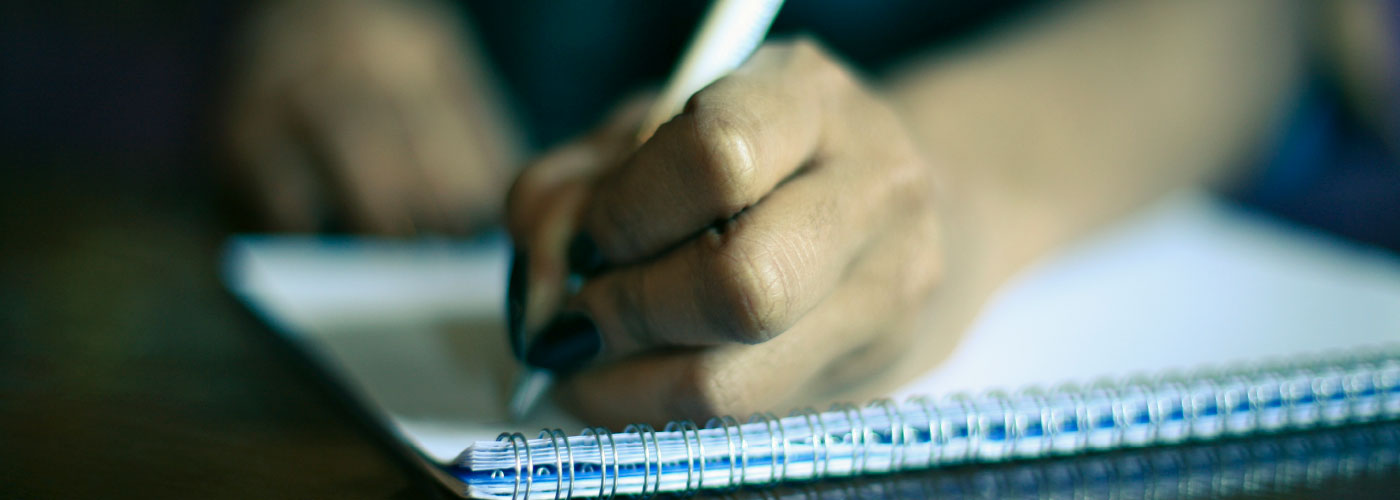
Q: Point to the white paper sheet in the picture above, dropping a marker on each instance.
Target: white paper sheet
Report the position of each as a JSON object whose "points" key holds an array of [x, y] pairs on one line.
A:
{"points": [[416, 328]]}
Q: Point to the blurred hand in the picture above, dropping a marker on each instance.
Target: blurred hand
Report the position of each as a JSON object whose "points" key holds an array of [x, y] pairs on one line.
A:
{"points": [[768, 245], [364, 115]]}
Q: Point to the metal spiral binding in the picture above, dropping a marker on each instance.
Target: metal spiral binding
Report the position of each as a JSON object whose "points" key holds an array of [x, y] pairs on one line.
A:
{"points": [[1034, 399], [1116, 413], [529, 461], [774, 440], [820, 438], [896, 421], [993, 403], [859, 433], [686, 428], [1316, 392], [968, 425], [930, 416], [1176, 389], [726, 423], [555, 436], [645, 431], [598, 433]]}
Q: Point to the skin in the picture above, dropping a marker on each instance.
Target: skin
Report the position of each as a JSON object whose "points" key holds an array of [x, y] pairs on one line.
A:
{"points": [[367, 116], [792, 239], [1361, 40], [800, 234]]}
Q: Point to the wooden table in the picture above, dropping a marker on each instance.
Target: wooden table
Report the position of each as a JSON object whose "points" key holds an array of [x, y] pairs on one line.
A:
{"points": [[125, 369]]}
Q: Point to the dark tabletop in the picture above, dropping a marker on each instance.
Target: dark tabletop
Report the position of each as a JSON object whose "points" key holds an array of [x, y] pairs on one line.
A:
{"points": [[126, 370]]}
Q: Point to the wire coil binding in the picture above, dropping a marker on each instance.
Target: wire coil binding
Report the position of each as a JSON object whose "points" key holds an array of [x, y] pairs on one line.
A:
{"points": [[889, 437]]}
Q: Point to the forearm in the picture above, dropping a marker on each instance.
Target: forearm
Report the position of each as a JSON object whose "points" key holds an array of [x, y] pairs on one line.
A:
{"points": [[1051, 129]]}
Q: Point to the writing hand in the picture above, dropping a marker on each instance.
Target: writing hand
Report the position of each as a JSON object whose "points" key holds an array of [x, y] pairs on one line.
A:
{"points": [[769, 244]]}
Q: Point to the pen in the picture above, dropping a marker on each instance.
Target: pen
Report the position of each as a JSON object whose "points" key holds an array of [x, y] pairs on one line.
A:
{"points": [[730, 32]]}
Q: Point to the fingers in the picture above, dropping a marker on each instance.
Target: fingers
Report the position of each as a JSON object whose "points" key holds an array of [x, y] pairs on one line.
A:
{"points": [[366, 159], [801, 367], [754, 275], [577, 162], [541, 234], [746, 282], [325, 150], [461, 140], [394, 132], [448, 176], [802, 170], [542, 215], [761, 249], [399, 156], [737, 139], [272, 171]]}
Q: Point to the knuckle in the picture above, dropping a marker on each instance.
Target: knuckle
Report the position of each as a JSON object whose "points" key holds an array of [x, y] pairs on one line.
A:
{"points": [[925, 273], [922, 251], [614, 226], [805, 46], [818, 63], [631, 302], [696, 393], [725, 138], [753, 294], [705, 388], [904, 182], [908, 184]]}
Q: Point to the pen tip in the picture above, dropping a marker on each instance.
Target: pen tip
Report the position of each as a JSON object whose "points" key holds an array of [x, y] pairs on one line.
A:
{"points": [[529, 389]]}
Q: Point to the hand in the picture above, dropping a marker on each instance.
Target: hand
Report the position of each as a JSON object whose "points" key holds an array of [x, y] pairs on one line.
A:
{"points": [[367, 116], [769, 246]]}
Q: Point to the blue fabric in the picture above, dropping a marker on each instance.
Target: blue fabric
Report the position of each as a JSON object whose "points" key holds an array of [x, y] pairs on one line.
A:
{"points": [[1327, 170]]}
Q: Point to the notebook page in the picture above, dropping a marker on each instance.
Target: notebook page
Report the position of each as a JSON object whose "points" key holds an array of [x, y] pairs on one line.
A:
{"points": [[1190, 284], [417, 328]]}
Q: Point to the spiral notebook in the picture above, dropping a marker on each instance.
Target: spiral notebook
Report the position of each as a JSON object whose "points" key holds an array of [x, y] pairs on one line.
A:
{"points": [[1345, 462], [1208, 322]]}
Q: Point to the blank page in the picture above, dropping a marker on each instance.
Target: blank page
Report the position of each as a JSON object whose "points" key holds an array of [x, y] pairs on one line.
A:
{"points": [[416, 327]]}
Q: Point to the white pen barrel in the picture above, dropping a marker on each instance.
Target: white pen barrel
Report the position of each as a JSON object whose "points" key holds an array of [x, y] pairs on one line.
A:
{"points": [[732, 29]]}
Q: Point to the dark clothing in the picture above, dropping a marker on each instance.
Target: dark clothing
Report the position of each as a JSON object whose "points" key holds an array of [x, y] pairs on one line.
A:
{"points": [[1327, 171]]}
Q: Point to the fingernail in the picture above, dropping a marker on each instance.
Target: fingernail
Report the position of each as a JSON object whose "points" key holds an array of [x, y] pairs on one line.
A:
{"points": [[569, 342], [584, 257], [515, 302]]}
